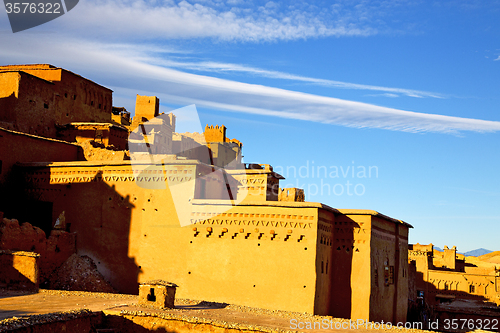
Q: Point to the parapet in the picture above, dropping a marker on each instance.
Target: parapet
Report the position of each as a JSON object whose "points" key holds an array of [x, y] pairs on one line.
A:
{"points": [[420, 247], [292, 194], [215, 134]]}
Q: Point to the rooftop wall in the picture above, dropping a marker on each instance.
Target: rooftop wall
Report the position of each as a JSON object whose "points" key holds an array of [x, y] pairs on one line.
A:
{"points": [[49, 96], [18, 147]]}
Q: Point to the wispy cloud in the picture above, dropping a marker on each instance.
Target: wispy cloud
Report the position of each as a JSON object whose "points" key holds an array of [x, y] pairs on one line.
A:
{"points": [[227, 21], [210, 66], [391, 95], [497, 58], [129, 71]]}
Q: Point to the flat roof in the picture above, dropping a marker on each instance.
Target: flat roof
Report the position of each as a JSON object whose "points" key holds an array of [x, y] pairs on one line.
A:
{"points": [[21, 72], [21, 68], [372, 213], [255, 171], [284, 204]]}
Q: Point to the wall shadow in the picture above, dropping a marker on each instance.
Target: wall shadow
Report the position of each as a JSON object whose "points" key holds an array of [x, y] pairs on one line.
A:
{"points": [[98, 215], [19, 201], [342, 257], [429, 304]]}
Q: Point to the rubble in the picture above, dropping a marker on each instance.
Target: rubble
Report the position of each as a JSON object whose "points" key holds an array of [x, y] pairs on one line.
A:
{"points": [[78, 273]]}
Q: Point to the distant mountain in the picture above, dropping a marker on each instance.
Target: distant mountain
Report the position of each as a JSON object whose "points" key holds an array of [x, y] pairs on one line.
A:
{"points": [[477, 252], [438, 249]]}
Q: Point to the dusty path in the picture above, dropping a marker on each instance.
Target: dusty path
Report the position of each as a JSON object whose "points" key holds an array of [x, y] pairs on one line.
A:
{"points": [[18, 304]]}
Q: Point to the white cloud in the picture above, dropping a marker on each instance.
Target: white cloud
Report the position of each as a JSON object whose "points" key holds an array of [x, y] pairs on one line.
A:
{"points": [[227, 67], [225, 21], [130, 71], [391, 95], [497, 58]]}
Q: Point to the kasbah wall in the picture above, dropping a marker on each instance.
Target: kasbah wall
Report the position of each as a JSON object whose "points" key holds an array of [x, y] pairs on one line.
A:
{"points": [[228, 235], [443, 276]]}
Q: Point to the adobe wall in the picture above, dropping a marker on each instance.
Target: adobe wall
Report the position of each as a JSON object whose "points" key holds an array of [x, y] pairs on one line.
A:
{"points": [[105, 134], [291, 194], [261, 255], [443, 276], [256, 255], [40, 103], [32, 109], [215, 133], [19, 270], [88, 101], [351, 262], [84, 97], [261, 184], [370, 253], [9, 92], [53, 251], [389, 249], [107, 203], [459, 284], [264, 254], [186, 146], [422, 255], [324, 262], [19, 147], [224, 154], [146, 108]]}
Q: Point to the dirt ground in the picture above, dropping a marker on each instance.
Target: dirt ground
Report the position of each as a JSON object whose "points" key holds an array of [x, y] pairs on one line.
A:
{"points": [[19, 304]]}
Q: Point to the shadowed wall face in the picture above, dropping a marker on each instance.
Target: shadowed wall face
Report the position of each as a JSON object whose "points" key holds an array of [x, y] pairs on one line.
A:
{"points": [[19, 270], [46, 96]]}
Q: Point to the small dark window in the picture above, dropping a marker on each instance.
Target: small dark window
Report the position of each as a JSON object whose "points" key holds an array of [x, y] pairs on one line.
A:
{"points": [[0, 166], [472, 289], [92, 103], [66, 95], [45, 105], [99, 106], [74, 97], [151, 297]]}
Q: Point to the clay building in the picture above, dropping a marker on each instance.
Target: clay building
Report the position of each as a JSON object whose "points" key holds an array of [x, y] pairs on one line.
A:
{"points": [[34, 98], [182, 207], [442, 277]]}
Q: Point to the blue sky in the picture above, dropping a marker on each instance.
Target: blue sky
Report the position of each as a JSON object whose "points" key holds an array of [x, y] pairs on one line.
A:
{"points": [[406, 89]]}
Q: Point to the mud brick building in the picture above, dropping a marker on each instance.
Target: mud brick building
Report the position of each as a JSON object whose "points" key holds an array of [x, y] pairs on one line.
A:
{"points": [[182, 207]]}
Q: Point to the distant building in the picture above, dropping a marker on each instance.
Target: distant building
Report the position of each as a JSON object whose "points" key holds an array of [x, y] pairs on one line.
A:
{"points": [[443, 276]]}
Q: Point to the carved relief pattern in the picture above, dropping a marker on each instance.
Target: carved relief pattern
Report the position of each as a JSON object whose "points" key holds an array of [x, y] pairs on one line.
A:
{"points": [[247, 225], [91, 175]]}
